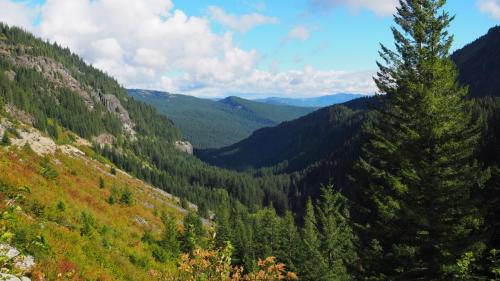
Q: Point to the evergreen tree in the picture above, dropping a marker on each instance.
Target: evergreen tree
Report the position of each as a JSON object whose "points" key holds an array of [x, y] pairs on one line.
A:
{"points": [[193, 231], [169, 242], [222, 215], [101, 183], [244, 248], [289, 242], [337, 237], [312, 265], [266, 232], [417, 171]]}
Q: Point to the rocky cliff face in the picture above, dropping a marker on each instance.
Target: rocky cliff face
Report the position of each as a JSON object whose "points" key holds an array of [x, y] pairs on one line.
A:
{"points": [[114, 105], [61, 77]]}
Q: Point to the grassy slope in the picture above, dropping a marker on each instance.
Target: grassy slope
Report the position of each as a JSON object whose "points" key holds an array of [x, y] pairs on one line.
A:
{"points": [[113, 250], [207, 123]]}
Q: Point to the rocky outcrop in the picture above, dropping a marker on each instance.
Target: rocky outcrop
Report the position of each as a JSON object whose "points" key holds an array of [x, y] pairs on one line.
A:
{"points": [[19, 263], [184, 146], [39, 143], [104, 139], [56, 73], [114, 105], [19, 114]]}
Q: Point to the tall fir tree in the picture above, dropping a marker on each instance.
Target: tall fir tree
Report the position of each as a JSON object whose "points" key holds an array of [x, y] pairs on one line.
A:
{"points": [[289, 242], [416, 173], [266, 232], [222, 218], [313, 267], [337, 237], [170, 238]]}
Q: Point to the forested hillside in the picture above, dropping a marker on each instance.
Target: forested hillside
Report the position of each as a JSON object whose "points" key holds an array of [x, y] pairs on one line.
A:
{"points": [[210, 124], [293, 145], [479, 64], [52, 89]]}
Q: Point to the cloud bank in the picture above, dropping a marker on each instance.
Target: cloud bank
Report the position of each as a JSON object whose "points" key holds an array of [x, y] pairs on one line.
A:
{"points": [[151, 44]]}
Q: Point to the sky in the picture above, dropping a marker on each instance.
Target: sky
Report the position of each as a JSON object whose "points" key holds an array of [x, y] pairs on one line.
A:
{"points": [[216, 48]]}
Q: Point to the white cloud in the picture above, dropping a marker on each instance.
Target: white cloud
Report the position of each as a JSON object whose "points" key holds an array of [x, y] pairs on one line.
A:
{"points": [[379, 7], [143, 40], [491, 7], [150, 44], [239, 23], [293, 83], [299, 32], [17, 13]]}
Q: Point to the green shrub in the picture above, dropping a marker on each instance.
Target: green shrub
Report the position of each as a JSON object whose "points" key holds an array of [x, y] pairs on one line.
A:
{"points": [[6, 139], [126, 197], [88, 224]]}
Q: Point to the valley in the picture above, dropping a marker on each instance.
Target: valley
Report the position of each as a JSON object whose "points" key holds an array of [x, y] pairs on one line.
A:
{"points": [[100, 182]]}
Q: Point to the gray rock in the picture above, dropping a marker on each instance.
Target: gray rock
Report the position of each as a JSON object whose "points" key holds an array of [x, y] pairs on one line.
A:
{"points": [[184, 146], [8, 251], [24, 263], [10, 277]]}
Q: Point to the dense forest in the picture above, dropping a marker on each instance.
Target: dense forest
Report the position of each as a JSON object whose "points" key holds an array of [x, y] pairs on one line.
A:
{"points": [[401, 186]]}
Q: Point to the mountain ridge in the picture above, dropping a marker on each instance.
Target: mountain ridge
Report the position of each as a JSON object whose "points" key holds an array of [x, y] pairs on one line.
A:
{"points": [[479, 64], [208, 123]]}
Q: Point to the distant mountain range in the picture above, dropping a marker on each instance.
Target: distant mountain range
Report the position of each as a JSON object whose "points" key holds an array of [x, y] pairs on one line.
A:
{"points": [[321, 101], [217, 123]]}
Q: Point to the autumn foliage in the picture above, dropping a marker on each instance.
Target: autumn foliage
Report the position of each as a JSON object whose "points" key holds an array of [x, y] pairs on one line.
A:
{"points": [[215, 265]]}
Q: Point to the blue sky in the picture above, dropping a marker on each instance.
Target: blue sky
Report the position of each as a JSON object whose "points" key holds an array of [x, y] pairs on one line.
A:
{"points": [[213, 48], [341, 39]]}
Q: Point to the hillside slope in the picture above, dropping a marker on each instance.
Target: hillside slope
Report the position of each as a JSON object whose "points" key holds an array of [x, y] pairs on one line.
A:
{"points": [[479, 64], [53, 90], [78, 218], [291, 145], [66, 131], [209, 124]]}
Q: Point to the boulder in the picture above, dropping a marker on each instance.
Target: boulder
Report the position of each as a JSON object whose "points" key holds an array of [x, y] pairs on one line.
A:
{"points": [[184, 146]]}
